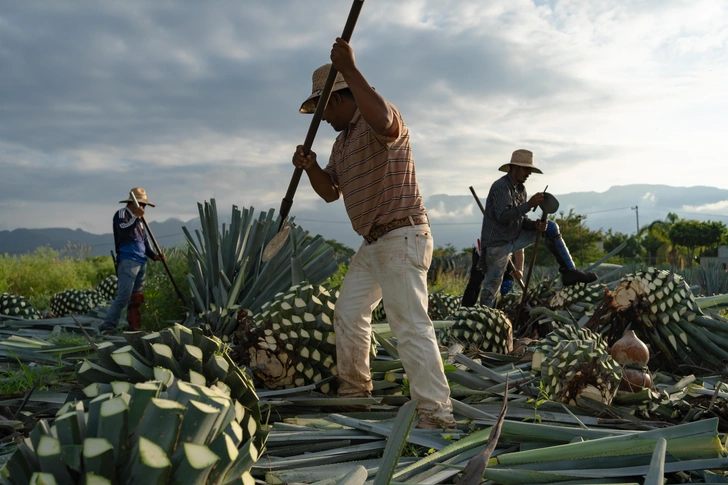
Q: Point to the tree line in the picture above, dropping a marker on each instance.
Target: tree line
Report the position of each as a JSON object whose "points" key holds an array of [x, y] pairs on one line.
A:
{"points": [[673, 241]]}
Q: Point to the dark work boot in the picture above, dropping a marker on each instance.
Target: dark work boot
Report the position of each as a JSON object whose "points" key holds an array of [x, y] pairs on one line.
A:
{"points": [[133, 316], [570, 277], [569, 274]]}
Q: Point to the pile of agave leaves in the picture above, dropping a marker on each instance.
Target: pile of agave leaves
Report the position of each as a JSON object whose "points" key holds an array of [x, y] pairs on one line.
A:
{"points": [[108, 426]]}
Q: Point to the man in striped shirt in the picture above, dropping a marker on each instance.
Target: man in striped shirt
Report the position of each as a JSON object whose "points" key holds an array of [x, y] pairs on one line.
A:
{"points": [[507, 229], [132, 251], [371, 165]]}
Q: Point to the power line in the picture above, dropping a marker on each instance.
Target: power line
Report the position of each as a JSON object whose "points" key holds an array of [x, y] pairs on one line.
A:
{"points": [[606, 210], [177, 234]]}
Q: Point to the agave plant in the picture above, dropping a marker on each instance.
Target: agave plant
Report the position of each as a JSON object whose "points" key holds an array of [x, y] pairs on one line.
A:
{"points": [[79, 302], [480, 329], [148, 434], [173, 353], [17, 306], [579, 368], [291, 342], [662, 310], [227, 271], [441, 305], [108, 288]]}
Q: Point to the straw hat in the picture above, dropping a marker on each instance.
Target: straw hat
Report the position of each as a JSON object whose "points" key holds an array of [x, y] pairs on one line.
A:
{"points": [[141, 197], [318, 80], [521, 158]]}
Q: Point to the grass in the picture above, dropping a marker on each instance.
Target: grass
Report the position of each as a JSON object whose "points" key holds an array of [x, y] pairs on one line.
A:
{"points": [[44, 377], [44, 272], [161, 305], [335, 280], [67, 338], [40, 274], [451, 282]]}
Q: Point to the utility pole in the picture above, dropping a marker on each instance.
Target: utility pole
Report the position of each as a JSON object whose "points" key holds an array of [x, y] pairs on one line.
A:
{"points": [[581, 242], [636, 210]]}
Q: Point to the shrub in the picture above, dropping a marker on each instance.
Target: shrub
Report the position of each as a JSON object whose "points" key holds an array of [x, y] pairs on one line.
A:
{"points": [[44, 272], [162, 306]]}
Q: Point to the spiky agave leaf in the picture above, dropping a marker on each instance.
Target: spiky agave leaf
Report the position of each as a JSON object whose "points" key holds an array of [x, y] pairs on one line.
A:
{"points": [[580, 368], [291, 341], [78, 302], [483, 328], [659, 306], [17, 306], [585, 295], [108, 288], [146, 435], [441, 305], [568, 332], [226, 267], [379, 314], [174, 352], [653, 296]]}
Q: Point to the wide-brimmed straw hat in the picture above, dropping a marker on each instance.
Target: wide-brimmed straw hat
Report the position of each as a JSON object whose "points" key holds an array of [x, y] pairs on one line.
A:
{"points": [[318, 80], [521, 158], [141, 197]]}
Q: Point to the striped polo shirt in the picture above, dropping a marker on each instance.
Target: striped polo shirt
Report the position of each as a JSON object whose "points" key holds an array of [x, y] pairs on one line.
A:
{"points": [[375, 174]]}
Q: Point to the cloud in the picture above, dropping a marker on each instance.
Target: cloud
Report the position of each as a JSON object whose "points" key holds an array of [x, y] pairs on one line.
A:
{"points": [[705, 208], [440, 211], [197, 100]]}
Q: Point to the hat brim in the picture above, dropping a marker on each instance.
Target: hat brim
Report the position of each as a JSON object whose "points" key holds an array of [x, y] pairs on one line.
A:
{"points": [[141, 201], [309, 106], [506, 167]]}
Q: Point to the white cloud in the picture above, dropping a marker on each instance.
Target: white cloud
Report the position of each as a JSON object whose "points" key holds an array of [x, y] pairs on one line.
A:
{"points": [[441, 211], [201, 99], [707, 208]]}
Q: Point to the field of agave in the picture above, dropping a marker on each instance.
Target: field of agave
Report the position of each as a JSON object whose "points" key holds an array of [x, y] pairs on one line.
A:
{"points": [[619, 381]]}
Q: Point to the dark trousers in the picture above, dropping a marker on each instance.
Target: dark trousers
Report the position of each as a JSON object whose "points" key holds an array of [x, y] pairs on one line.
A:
{"points": [[472, 290]]}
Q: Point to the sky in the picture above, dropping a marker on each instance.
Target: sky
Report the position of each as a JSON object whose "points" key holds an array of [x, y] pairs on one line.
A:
{"points": [[198, 100]]}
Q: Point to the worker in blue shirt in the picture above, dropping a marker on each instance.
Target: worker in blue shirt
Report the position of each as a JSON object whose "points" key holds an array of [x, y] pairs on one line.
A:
{"points": [[132, 251]]}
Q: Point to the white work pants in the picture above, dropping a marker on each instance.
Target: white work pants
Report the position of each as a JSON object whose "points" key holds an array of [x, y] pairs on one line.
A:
{"points": [[394, 266]]}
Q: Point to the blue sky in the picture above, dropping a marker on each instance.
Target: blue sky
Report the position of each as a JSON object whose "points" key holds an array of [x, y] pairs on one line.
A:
{"points": [[194, 100]]}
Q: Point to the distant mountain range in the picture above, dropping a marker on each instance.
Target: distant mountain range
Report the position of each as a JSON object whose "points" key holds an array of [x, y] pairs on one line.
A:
{"points": [[455, 219]]}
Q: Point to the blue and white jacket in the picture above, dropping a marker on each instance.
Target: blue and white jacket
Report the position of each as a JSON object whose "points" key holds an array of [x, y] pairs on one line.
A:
{"points": [[130, 237]]}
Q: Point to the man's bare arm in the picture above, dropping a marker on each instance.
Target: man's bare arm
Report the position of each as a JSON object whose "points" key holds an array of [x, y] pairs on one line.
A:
{"points": [[320, 180], [374, 109]]}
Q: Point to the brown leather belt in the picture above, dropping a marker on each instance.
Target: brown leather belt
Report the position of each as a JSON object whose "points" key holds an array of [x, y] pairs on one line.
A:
{"points": [[382, 229]]}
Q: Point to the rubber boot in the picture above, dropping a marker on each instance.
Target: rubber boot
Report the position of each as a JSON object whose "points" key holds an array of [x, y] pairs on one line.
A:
{"points": [[132, 312], [569, 274]]}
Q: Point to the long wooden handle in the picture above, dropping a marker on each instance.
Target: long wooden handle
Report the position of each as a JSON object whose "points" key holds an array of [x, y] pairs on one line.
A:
{"points": [[158, 250], [287, 201], [477, 200], [530, 269]]}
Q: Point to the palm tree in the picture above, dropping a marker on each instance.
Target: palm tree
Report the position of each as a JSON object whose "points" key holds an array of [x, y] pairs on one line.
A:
{"points": [[656, 235]]}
